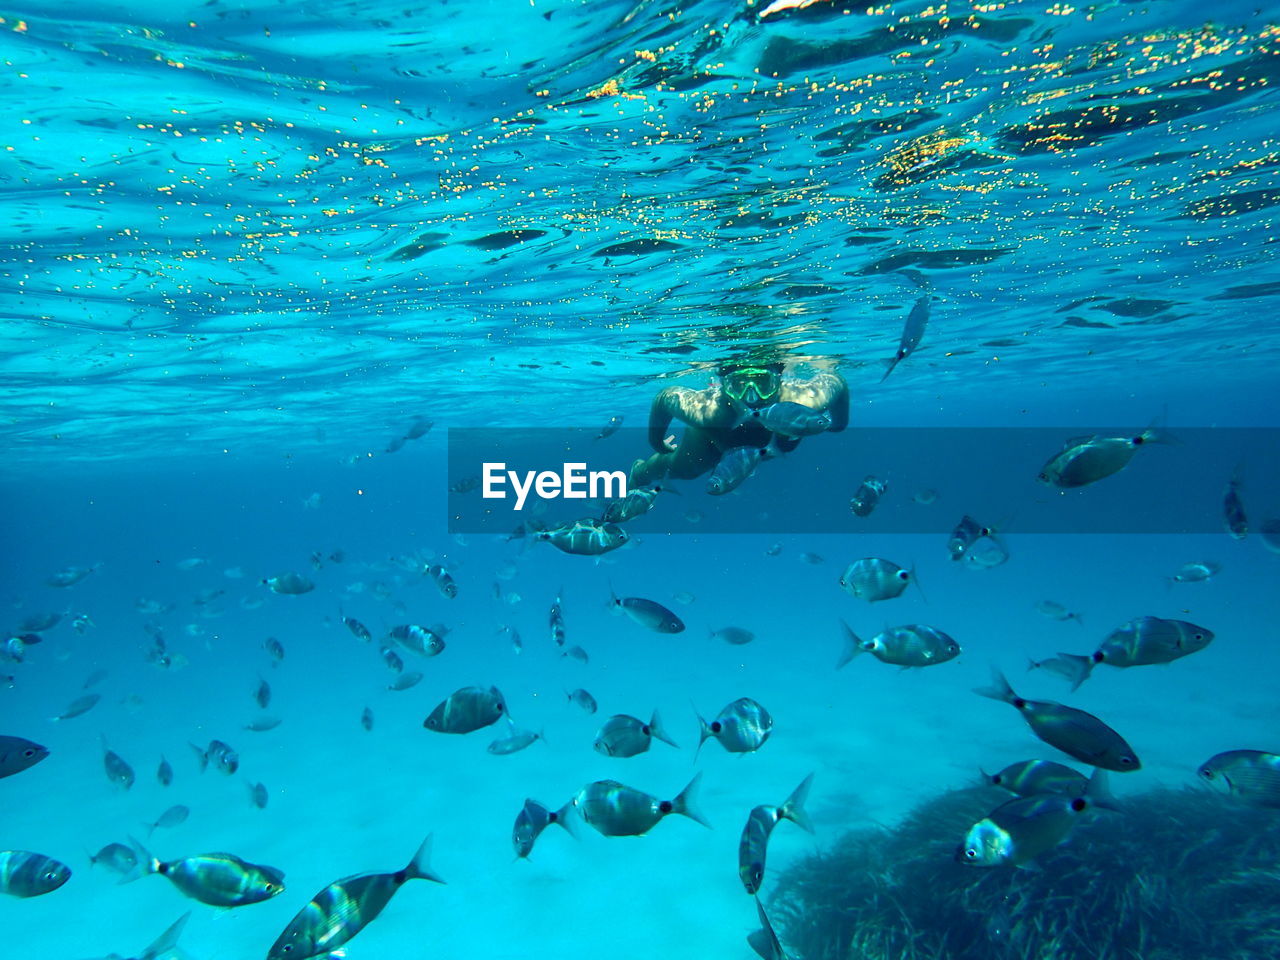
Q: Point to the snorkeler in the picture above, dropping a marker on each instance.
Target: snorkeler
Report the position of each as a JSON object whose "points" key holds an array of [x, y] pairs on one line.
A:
{"points": [[752, 405]]}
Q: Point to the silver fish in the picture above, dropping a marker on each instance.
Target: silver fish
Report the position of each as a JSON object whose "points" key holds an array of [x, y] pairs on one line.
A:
{"points": [[70, 576], [736, 636], [874, 579], [468, 709], [366, 719], [866, 498], [427, 641], [1086, 460], [218, 879], [262, 724], [222, 755], [532, 819], [444, 582], [164, 772], [116, 857], [966, 533], [912, 332], [391, 659], [577, 653], [753, 846], [291, 584], [626, 736], [556, 621], [1196, 572], [118, 771], [1074, 732], [274, 648], [648, 613], [616, 810], [911, 645], [26, 874], [1251, 775], [587, 537], [1022, 829], [1140, 642], [733, 469], [344, 908], [583, 699], [1030, 777], [258, 795], [611, 427], [985, 553], [514, 742], [358, 629], [1233, 515], [637, 502], [175, 815], [788, 419], [18, 754], [262, 693], [405, 681], [741, 727], [1056, 611]]}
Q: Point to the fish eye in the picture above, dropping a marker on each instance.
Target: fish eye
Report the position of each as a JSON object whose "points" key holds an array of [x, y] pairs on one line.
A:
{"points": [[1207, 773], [287, 948], [904, 575], [28, 752], [1127, 760], [1199, 636], [268, 886], [51, 876], [971, 853]]}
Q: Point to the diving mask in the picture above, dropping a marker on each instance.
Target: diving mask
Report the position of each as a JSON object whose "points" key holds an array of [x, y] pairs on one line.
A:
{"points": [[753, 386]]}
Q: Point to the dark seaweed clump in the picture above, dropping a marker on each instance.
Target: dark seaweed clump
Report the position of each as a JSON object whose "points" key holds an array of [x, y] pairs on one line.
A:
{"points": [[1178, 875]]}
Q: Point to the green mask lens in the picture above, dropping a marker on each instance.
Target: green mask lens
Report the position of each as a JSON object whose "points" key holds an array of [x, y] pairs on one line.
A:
{"points": [[752, 384]]}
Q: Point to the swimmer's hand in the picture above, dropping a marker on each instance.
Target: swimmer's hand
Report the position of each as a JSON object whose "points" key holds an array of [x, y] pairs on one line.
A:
{"points": [[669, 443]]}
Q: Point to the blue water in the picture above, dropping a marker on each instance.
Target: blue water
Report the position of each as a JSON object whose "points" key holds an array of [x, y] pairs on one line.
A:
{"points": [[246, 245]]}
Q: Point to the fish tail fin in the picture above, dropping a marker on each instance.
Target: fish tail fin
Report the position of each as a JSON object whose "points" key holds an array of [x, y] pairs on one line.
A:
{"points": [[1080, 668], [419, 867], [704, 732], [147, 864], [985, 779], [1098, 791], [167, 941], [1157, 431], [564, 817], [658, 732], [686, 802], [889, 365], [852, 646], [999, 689], [201, 754], [915, 578], [793, 808]]}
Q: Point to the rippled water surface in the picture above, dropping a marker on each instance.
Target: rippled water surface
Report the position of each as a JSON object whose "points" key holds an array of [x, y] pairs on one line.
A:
{"points": [[226, 223]]}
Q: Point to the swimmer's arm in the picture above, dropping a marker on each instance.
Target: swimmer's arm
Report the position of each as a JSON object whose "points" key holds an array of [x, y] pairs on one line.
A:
{"points": [[823, 391], [697, 408]]}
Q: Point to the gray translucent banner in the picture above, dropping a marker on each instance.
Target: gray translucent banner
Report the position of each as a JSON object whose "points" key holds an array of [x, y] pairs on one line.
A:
{"points": [[932, 478]]}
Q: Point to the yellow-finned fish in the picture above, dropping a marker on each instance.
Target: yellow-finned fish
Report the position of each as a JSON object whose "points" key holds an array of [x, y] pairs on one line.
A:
{"points": [[1074, 732], [345, 907]]}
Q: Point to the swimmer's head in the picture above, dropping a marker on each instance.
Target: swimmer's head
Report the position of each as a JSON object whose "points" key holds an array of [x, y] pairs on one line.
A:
{"points": [[752, 386]]}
